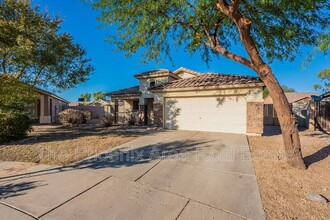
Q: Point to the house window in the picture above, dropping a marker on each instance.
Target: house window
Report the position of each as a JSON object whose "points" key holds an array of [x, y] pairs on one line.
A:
{"points": [[152, 84], [135, 105]]}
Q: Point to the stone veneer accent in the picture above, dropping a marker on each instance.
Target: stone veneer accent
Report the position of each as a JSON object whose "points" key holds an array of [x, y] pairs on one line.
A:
{"points": [[158, 115], [255, 117], [141, 114]]}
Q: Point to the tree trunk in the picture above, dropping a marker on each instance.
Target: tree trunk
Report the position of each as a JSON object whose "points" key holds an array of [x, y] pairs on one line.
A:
{"points": [[289, 125]]}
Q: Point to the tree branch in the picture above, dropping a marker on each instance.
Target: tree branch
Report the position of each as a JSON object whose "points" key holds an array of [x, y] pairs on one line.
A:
{"points": [[231, 55], [235, 4], [243, 25]]}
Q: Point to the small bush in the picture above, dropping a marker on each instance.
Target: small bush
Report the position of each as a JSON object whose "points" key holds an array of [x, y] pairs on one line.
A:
{"points": [[14, 126], [131, 120], [71, 117], [107, 120], [87, 115]]}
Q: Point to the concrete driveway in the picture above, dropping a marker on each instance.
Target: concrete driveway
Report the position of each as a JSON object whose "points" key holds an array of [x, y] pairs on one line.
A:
{"points": [[164, 175]]}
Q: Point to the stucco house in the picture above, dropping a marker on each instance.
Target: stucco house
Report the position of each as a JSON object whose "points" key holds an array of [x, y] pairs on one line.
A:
{"points": [[45, 110], [188, 100]]}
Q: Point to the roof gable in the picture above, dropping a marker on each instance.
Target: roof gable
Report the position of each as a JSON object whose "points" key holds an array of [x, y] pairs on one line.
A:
{"points": [[183, 70]]}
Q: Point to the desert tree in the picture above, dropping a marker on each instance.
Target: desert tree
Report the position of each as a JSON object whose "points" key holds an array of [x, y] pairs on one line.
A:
{"points": [[33, 50], [324, 75], [86, 96], [98, 95], [267, 30], [284, 87]]}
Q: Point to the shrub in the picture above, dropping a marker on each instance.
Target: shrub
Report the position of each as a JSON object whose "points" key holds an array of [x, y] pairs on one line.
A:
{"points": [[131, 120], [71, 117], [15, 97], [107, 120], [87, 115], [14, 125]]}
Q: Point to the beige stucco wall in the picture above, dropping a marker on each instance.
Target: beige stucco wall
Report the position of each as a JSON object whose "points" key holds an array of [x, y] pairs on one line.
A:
{"points": [[145, 83], [185, 75], [57, 107]]}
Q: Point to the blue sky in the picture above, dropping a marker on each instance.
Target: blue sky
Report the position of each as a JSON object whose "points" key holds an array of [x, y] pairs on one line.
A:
{"points": [[114, 71]]}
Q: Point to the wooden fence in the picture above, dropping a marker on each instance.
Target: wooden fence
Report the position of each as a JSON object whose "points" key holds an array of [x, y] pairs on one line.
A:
{"points": [[300, 110], [270, 117], [321, 115]]}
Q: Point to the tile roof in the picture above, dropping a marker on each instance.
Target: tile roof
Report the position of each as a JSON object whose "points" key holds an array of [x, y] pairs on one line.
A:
{"points": [[159, 72], [128, 91], [210, 79], [291, 96]]}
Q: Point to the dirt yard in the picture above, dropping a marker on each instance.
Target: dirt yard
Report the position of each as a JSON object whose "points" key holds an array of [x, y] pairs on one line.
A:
{"points": [[59, 145], [283, 188]]}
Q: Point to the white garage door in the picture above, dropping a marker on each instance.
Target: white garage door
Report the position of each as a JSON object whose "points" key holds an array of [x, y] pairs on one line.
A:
{"points": [[220, 114]]}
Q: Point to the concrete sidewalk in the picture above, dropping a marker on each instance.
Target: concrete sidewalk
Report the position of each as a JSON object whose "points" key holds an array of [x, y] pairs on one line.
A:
{"points": [[164, 175]]}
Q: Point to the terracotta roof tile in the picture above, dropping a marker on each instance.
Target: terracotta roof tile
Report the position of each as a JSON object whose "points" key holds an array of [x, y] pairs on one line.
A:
{"points": [[128, 91], [210, 79], [153, 72]]}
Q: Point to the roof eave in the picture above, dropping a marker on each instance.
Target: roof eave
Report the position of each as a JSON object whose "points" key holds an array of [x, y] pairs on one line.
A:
{"points": [[123, 95], [51, 95]]}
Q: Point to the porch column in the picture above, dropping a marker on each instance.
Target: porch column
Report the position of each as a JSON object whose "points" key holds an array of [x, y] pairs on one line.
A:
{"points": [[254, 117], [142, 114], [120, 112], [158, 115], [46, 106]]}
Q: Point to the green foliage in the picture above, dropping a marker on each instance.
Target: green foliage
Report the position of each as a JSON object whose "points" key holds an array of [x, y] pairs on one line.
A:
{"points": [[324, 43], [287, 89], [86, 97], [15, 97], [14, 125], [324, 76], [284, 87], [98, 96], [33, 50], [279, 28]]}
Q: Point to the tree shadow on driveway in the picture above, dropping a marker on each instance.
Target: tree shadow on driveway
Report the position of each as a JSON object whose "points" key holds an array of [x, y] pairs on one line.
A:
{"points": [[121, 157], [18, 189]]}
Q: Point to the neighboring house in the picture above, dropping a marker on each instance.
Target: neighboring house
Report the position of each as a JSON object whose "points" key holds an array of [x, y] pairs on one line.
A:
{"points": [[100, 102], [187, 100], [46, 109], [98, 108], [300, 105]]}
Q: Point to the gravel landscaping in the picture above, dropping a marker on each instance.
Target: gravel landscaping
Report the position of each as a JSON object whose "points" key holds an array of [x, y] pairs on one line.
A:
{"points": [[284, 190]]}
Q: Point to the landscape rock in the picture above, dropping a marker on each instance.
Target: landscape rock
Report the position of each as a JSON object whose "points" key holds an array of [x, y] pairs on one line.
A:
{"points": [[316, 197]]}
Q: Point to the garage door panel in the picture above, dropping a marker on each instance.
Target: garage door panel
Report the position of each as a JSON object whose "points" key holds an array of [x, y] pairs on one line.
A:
{"points": [[223, 114]]}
